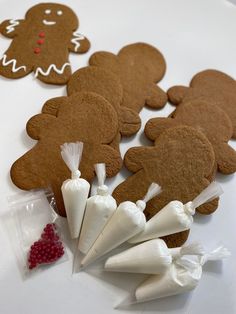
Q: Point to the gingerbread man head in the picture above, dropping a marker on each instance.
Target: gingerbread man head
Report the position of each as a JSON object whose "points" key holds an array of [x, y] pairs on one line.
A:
{"points": [[213, 86], [72, 119], [139, 67], [209, 119], [174, 163], [53, 14]]}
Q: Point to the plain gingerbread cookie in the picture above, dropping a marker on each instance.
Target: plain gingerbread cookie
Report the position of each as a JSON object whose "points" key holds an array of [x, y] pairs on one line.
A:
{"points": [[41, 43], [68, 119], [139, 67], [180, 162], [213, 86], [204, 116]]}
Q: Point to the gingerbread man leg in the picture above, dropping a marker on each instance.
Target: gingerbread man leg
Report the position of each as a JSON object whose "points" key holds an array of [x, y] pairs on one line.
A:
{"points": [[14, 67], [56, 70]]}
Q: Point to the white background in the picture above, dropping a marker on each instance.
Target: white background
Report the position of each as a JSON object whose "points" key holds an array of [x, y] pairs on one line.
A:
{"points": [[192, 35]]}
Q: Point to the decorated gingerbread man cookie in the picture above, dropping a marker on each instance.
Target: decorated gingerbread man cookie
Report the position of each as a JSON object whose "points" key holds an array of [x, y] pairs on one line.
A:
{"points": [[204, 116], [103, 82], [68, 119], [139, 67], [180, 162], [41, 43], [213, 86]]}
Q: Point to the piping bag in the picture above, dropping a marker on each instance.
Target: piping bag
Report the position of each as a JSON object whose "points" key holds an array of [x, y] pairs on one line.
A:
{"points": [[151, 257], [176, 216], [127, 221], [182, 276], [99, 209], [75, 190]]}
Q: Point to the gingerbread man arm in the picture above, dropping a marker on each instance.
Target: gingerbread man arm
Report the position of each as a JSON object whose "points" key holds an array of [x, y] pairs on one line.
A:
{"points": [[38, 123], [52, 105], [26, 174], [226, 157], [111, 158], [129, 120], [156, 98], [154, 127], [79, 43], [176, 94], [9, 28], [136, 156]]}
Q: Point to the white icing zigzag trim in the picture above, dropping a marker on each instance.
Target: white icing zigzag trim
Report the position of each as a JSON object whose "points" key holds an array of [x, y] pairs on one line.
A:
{"points": [[13, 61], [76, 40], [49, 22], [50, 68], [10, 28]]}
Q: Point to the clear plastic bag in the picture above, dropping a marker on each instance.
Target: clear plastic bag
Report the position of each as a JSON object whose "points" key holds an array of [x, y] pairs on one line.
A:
{"points": [[33, 227]]}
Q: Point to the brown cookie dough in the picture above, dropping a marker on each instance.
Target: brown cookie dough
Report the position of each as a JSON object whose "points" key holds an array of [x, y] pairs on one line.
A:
{"points": [[41, 43], [100, 81], [174, 163], [212, 86], [68, 119], [209, 119], [139, 67]]}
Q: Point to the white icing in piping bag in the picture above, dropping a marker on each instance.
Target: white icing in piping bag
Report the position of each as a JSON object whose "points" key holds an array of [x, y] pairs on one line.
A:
{"points": [[151, 257], [99, 209], [127, 221], [182, 276], [175, 216], [75, 190]]}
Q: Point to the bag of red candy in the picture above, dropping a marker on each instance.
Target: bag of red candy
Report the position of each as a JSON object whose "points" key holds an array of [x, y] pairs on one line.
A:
{"points": [[34, 230]]}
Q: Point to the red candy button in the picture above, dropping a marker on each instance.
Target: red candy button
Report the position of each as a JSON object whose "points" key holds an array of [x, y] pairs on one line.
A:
{"points": [[37, 50], [40, 41], [41, 34]]}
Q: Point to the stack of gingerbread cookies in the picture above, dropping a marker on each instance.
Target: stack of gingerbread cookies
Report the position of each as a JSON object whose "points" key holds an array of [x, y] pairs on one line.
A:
{"points": [[103, 104], [189, 146]]}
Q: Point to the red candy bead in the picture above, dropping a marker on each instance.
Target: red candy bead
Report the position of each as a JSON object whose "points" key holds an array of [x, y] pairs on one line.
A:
{"points": [[40, 41], [41, 34], [37, 50]]}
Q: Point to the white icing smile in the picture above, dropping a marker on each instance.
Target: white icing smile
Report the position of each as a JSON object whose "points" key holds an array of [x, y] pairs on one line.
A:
{"points": [[49, 22]]}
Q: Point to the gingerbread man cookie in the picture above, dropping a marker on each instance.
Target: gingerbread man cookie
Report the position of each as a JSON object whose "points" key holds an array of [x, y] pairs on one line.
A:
{"points": [[139, 67], [213, 86], [204, 116], [68, 119], [41, 43], [100, 81], [180, 162]]}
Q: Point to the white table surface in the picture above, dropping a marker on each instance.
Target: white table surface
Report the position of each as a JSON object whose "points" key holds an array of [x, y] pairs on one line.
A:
{"points": [[193, 35]]}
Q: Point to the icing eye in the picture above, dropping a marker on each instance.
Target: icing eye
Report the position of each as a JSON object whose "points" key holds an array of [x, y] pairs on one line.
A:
{"points": [[47, 11], [59, 12]]}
